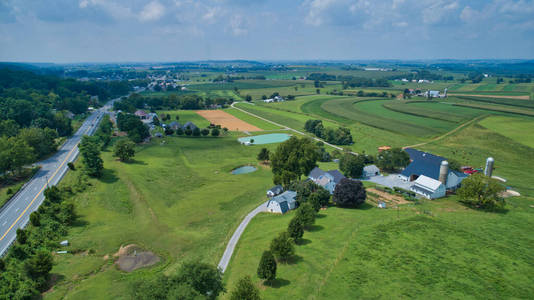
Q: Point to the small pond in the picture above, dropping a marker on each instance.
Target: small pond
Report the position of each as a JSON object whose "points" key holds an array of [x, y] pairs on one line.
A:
{"points": [[265, 138], [244, 170]]}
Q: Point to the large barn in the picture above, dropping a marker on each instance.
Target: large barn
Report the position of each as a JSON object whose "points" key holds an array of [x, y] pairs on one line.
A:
{"points": [[424, 163]]}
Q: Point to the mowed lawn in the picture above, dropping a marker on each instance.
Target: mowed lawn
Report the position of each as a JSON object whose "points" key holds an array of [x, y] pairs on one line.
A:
{"points": [[177, 199]]}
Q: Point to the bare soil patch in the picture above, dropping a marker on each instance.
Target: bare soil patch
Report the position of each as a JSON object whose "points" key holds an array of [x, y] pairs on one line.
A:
{"points": [[526, 97], [219, 117], [388, 198], [132, 257]]}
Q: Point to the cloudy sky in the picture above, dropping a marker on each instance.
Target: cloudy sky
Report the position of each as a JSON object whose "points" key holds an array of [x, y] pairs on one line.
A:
{"points": [[179, 30]]}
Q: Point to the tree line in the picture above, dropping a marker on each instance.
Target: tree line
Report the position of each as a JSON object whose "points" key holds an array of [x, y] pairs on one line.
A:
{"points": [[339, 136], [349, 81], [170, 102]]}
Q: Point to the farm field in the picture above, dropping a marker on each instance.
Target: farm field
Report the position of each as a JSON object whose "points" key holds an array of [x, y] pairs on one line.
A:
{"points": [[177, 199], [252, 120], [226, 120]]}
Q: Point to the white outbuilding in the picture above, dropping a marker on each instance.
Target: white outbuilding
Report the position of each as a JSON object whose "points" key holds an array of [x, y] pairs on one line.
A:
{"points": [[428, 187]]}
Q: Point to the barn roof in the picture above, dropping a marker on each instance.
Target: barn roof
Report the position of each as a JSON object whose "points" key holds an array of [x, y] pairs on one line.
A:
{"points": [[423, 163]]}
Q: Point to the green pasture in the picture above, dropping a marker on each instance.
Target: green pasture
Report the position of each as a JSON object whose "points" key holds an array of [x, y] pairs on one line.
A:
{"points": [[177, 199], [432, 250], [521, 130]]}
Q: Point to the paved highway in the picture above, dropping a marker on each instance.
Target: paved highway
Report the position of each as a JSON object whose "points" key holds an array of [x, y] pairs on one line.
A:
{"points": [[16, 213]]}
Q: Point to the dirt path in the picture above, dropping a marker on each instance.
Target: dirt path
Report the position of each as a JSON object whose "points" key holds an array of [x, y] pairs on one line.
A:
{"points": [[448, 133], [227, 120], [526, 97]]}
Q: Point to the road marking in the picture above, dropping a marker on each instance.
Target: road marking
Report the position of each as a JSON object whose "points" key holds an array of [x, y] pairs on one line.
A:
{"points": [[36, 196]]}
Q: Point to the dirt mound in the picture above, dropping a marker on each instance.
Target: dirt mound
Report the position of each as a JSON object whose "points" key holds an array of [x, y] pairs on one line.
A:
{"points": [[132, 257]]}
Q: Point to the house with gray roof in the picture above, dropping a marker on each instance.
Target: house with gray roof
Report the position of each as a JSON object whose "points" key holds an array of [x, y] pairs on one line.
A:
{"points": [[275, 190], [189, 125], [175, 125], [282, 203], [327, 180]]}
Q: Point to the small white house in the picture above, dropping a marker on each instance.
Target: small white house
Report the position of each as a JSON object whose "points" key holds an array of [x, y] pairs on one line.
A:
{"points": [[282, 203], [428, 187]]}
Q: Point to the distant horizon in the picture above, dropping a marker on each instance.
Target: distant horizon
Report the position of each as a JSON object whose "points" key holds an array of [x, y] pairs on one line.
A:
{"points": [[265, 61]]}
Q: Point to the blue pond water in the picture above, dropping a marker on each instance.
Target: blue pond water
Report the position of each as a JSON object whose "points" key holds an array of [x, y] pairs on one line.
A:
{"points": [[265, 138], [244, 170]]}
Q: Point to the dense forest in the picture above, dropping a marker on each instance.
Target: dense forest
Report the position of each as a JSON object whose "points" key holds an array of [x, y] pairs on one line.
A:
{"points": [[37, 109]]}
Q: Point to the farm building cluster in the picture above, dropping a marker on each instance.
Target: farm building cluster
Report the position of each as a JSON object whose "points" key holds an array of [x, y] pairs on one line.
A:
{"points": [[427, 175]]}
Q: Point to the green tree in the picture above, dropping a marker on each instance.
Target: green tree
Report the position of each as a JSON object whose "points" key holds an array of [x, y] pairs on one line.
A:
{"points": [[35, 218], [182, 292], [264, 154], [393, 159], [282, 246], [248, 98], [204, 278], [39, 265], [18, 154], [188, 131], [245, 290], [205, 132], [349, 193], [480, 191], [90, 150], [292, 159], [179, 131], [351, 165], [307, 214], [196, 132], [296, 228], [215, 132], [22, 236], [124, 149], [267, 266]]}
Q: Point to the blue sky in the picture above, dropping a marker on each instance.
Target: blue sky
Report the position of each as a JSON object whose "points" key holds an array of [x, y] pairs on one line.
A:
{"points": [[179, 30]]}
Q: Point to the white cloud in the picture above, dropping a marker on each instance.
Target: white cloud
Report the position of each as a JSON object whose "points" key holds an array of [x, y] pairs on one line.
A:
{"points": [[238, 25], [316, 10], [152, 11]]}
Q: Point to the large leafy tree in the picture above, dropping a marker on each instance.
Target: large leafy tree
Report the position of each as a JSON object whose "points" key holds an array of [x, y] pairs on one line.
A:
{"points": [[264, 154], [481, 191], [245, 290], [204, 278], [124, 149], [292, 159], [267, 266], [393, 159], [351, 165], [90, 150], [349, 193]]}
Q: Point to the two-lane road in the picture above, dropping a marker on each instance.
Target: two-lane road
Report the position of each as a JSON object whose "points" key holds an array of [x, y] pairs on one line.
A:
{"points": [[15, 214]]}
